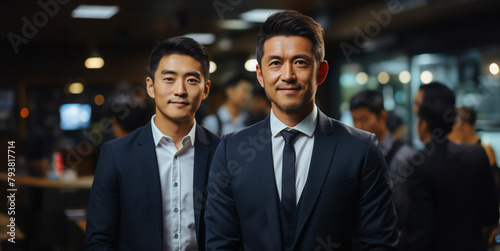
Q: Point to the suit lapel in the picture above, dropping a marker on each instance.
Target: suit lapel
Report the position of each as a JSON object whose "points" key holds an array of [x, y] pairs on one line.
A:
{"points": [[264, 168], [147, 156], [201, 166], [324, 149]]}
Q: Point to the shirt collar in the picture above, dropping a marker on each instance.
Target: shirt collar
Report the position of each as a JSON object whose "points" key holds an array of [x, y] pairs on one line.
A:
{"points": [[158, 135], [306, 126]]}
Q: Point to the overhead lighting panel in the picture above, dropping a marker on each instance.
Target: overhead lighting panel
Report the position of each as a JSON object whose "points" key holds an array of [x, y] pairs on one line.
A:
{"points": [[202, 38], [257, 15], [95, 11]]}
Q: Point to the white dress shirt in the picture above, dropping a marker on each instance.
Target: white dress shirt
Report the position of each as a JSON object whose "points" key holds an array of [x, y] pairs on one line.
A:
{"points": [[176, 177], [303, 149], [228, 124]]}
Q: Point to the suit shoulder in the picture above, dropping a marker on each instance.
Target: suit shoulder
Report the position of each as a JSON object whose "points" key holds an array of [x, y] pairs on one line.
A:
{"points": [[212, 137], [259, 128]]}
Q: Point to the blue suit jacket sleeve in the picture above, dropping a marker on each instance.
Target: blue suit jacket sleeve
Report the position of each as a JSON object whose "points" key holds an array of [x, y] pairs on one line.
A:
{"points": [[221, 218], [103, 210], [376, 225]]}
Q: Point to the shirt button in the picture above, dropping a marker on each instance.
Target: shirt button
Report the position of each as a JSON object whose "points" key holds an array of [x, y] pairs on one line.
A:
{"points": [[176, 236], [175, 184], [176, 210]]}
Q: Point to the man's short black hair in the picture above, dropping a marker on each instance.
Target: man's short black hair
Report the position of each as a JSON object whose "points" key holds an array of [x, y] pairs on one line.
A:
{"points": [[291, 23], [467, 115], [234, 80], [128, 114], [438, 107], [180, 45], [372, 100]]}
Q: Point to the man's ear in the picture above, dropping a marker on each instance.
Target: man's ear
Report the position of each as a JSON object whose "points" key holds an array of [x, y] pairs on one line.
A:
{"points": [[323, 71], [206, 90], [258, 71], [150, 87]]}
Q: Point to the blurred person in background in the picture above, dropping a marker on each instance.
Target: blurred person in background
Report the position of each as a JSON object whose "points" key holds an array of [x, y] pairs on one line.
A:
{"points": [[232, 115], [260, 106], [149, 188], [126, 116], [451, 191], [463, 132], [368, 113], [396, 126]]}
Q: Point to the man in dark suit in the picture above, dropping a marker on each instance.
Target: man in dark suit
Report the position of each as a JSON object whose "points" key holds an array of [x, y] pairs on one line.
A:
{"points": [[298, 180], [149, 190], [451, 191]]}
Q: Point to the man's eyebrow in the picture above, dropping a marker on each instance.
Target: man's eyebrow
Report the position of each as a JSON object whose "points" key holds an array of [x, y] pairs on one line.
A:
{"points": [[193, 73], [304, 56], [271, 57], [165, 72]]}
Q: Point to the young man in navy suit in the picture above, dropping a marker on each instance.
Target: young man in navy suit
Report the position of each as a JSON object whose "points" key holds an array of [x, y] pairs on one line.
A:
{"points": [[149, 190], [298, 180]]}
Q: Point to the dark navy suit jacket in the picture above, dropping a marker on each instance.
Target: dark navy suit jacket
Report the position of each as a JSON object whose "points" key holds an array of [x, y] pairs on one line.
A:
{"points": [[346, 200], [125, 206]]}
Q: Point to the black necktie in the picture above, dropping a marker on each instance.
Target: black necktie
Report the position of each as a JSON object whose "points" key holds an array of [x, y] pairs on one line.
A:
{"points": [[288, 173]]}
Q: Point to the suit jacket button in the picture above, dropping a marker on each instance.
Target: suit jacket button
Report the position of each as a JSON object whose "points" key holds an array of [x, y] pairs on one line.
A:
{"points": [[288, 244]]}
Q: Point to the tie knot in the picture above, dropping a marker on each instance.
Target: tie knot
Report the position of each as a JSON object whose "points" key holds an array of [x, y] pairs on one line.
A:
{"points": [[289, 136]]}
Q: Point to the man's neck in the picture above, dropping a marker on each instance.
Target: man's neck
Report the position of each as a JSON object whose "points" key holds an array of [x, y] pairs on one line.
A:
{"points": [[294, 117], [174, 129]]}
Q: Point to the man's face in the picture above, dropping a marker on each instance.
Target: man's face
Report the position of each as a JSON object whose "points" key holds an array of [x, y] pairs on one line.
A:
{"points": [[240, 94], [366, 120], [417, 101], [178, 88], [289, 72]]}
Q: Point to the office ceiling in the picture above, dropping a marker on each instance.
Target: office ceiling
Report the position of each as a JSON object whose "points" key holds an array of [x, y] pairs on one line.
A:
{"points": [[56, 49]]}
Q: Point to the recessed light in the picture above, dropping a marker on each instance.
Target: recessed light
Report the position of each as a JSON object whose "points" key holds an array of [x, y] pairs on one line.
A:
{"points": [[202, 38], [95, 11], [257, 15], [234, 24]]}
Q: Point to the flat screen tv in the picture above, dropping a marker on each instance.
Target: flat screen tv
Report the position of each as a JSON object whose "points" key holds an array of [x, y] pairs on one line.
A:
{"points": [[75, 116]]}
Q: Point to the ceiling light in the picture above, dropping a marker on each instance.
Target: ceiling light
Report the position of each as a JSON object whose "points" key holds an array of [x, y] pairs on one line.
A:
{"points": [[75, 88], [234, 24], [361, 78], [404, 77], [250, 65], [94, 63], [202, 38], [257, 15], [494, 69], [383, 77], [95, 11], [213, 67], [426, 77]]}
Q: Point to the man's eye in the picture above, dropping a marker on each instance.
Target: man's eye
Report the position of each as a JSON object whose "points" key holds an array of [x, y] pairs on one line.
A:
{"points": [[168, 79], [193, 81], [274, 63], [301, 62]]}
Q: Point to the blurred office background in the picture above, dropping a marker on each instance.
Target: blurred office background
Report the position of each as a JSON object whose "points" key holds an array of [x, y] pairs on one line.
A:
{"points": [[67, 65]]}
